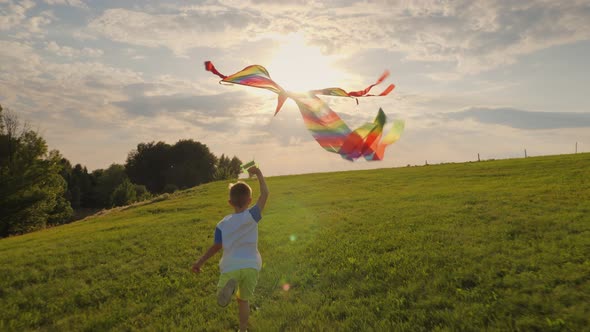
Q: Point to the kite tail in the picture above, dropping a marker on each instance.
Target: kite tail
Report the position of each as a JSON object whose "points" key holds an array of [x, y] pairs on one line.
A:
{"points": [[255, 76], [338, 92], [368, 141], [391, 137], [363, 92], [210, 67], [280, 101]]}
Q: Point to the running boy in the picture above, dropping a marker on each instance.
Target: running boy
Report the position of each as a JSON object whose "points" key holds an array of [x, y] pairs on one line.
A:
{"points": [[237, 234]]}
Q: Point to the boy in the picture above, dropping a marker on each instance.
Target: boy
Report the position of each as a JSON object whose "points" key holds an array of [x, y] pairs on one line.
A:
{"points": [[237, 234]]}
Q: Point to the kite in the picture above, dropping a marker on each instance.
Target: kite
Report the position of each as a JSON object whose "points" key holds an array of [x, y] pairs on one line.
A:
{"points": [[328, 129]]}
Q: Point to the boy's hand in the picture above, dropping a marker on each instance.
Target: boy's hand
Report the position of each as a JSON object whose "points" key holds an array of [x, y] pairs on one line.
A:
{"points": [[254, 170], [196, 268]]}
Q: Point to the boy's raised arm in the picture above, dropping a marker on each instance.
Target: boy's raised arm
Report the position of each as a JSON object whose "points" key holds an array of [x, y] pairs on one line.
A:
{"points": [[263, 188]]}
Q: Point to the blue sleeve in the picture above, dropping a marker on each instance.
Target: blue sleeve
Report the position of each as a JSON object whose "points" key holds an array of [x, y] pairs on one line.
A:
{"points": [[217, 235], [255, 212]]}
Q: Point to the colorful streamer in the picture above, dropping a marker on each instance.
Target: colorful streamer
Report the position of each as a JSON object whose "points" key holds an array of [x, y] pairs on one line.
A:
{"points": [[328, 129]]}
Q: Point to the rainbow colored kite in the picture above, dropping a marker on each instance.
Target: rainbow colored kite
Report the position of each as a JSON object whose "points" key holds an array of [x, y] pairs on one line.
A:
{"points": [[325, 125]]}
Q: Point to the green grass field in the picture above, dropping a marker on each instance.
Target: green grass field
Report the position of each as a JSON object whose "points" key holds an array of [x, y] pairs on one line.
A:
{"points": [[495, 245]]}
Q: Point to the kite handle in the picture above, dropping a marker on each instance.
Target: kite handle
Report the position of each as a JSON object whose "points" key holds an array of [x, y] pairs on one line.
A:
{"points": [[248, 165]]}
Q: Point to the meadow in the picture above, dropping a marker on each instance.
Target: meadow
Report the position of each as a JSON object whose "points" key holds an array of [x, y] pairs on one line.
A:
{"points": [[492, 245]]}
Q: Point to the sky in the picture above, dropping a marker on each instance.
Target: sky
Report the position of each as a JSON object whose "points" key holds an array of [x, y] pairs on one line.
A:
{"points": [[96, 78]]}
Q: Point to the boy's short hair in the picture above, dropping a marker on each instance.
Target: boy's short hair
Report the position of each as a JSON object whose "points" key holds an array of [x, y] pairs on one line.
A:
{"points": [[239, 193]]}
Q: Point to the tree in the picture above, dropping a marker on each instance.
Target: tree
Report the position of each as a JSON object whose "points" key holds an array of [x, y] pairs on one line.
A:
{"points": [[221, 174], [160, 166], [31, 188], [147, 164], [81, 186], [107, 181], [72, 193], [62, 212], [192, 164], [124, 194], [101, 189], [91, 197], [10, 130], [223, 162], [235, 167], [228, 169]]}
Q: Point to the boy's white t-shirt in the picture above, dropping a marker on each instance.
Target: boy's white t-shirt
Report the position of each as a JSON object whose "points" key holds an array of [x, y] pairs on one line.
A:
{"points": [[238, 234]]}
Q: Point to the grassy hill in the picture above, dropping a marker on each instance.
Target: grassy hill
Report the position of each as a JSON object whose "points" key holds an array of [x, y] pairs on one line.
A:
{"points": [[496, 245]]}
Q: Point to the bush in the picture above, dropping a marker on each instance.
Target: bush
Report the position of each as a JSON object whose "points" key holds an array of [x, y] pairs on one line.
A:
{"points": [[124, 194], [142, 193], [160, 198], [170, 188], [62, 212]]}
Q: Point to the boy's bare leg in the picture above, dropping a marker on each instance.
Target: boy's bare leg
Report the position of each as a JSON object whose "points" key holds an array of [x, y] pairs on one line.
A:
{"points": [[244, 312]]}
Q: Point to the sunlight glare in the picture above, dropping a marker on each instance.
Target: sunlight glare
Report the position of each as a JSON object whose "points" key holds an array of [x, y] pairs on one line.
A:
{"points": [[298, 67]]}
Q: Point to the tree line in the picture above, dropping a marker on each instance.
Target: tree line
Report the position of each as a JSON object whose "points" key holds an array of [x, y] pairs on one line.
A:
{"points": [[39, 187]]}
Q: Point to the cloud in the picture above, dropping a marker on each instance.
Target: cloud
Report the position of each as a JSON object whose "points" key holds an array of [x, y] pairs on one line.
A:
{"points": [[208, 105], [66, 51], [73, 3], [473, 36], [14, 18], [12, 14], [179, 31], [17, 61], [284, 129], [36, 24], [523, 119], [53, 87]]}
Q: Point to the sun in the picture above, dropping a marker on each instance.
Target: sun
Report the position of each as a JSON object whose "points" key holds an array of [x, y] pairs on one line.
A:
{"points": [[297, 66]]}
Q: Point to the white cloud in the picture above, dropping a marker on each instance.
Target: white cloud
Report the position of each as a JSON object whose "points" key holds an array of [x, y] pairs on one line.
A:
{"points": [[178, 32], [523, 119], [14, 16], [87, 87], [19, 61], [13, 13], [73, 3], [66, 51], [36, 23], [474, 36]]}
